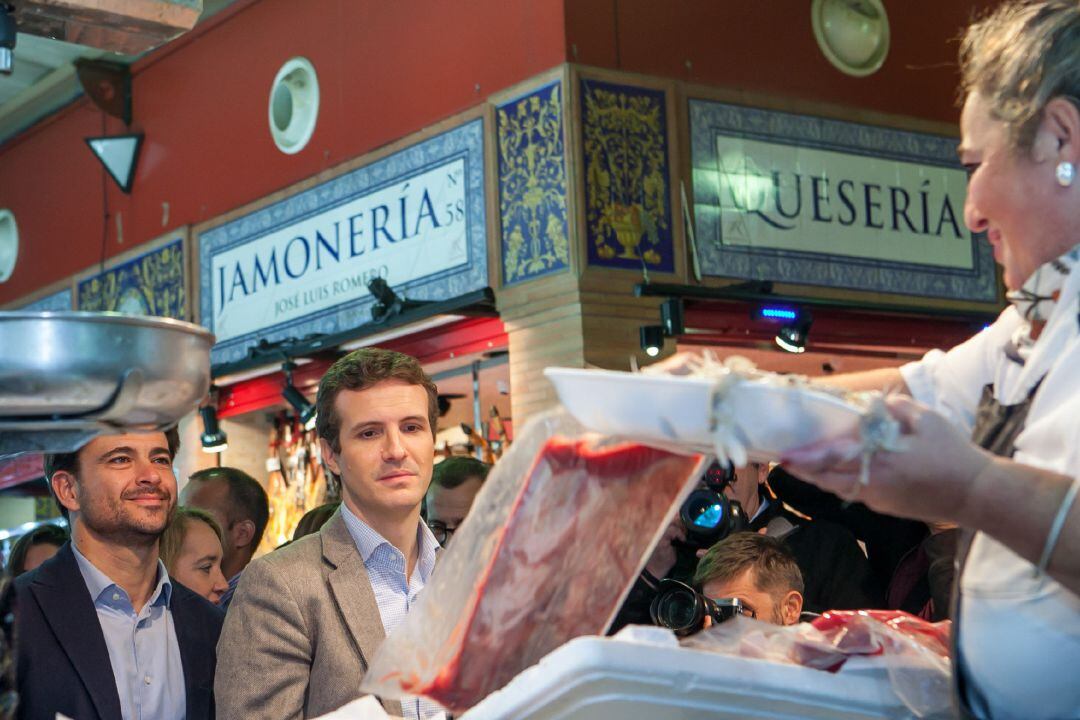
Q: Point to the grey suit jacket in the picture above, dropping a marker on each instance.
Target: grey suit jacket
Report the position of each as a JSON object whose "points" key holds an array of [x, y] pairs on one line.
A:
{"points": [[300, 632]]}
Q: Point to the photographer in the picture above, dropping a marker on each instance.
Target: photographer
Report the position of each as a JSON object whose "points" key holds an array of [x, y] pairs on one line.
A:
{"points": [[759, 572], [834, 568], [747, 574], [705, 516]]}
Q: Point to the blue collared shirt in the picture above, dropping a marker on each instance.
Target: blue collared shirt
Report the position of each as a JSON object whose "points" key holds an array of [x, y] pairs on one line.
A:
{"points": [[395, 593], [143, 650], [227, 596]]}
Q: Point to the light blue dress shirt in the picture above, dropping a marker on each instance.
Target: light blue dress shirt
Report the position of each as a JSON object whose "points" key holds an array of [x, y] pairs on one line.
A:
{"points": [[227, 596], [143, 650], [395, 593]]}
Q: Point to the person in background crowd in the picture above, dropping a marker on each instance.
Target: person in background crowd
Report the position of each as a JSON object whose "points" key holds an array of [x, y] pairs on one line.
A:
{"points": [[240, 505], [309, 617], [834, 568], [191, 551], [35, 547], [759, 571], [102, 630], [314, 519], [913, 561], [454, 485], [9, 695]]}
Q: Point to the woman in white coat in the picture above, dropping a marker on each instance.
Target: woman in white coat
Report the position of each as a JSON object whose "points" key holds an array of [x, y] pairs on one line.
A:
{"points": [[993, 425]]}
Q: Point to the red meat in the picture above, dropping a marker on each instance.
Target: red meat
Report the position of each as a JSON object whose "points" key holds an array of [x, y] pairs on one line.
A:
{"points": [[572, 546]]}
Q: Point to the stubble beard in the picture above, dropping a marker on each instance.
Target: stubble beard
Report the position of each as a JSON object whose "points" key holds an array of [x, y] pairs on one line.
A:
{"points": [[131, 529]]}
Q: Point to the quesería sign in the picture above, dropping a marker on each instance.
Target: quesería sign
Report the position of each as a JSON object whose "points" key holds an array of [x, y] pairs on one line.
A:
{"points": [[808, 200]]}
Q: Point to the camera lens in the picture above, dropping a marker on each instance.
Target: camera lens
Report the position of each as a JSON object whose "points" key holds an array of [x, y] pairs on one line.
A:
{"points": [[705, 511], [705, 516], [678, 608]]}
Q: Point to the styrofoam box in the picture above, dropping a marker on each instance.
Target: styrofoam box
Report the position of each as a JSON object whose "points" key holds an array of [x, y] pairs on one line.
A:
{"points": [[610, 679]]}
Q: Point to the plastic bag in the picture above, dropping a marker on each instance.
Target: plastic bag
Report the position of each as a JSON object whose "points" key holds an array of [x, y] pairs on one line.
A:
{"points": [[914, 653], [876, 430], [556, 537]]}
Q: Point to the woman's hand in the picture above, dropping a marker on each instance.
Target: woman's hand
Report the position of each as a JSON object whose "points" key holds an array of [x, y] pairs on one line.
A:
{"points": [[931, 480]]}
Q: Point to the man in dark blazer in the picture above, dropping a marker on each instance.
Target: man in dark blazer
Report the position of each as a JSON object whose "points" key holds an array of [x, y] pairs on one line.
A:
{"points": [[100, 629]]}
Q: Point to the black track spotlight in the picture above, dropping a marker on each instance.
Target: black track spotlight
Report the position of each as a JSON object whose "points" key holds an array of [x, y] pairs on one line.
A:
{"points": [[652, 339], [303, 407], [214, 439], [8, 37], [387, 303], [792, 335], [672, 318]]}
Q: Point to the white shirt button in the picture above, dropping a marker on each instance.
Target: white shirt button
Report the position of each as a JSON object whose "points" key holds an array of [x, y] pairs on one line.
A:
{"points": [[146, 679], [116, 596]]}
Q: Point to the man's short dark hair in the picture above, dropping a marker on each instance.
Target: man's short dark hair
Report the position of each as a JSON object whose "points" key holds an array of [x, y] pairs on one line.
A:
{"points": [[360, 370], [247, 498], [453, 472], [774, 566], [69, 462]]}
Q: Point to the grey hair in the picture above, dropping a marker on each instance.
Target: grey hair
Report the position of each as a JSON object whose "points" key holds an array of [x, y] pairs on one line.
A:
{"points": [[1019, 58]]}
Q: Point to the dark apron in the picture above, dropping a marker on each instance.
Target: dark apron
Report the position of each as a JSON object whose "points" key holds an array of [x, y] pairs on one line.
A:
{"points": [[996, 428]]}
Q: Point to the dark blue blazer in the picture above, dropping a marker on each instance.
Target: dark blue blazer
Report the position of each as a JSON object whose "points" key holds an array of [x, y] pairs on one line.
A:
{"points": [[62, 662]]}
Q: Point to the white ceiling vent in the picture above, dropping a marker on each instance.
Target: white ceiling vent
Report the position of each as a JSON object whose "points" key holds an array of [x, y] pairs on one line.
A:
{"points": [[294, 105]]}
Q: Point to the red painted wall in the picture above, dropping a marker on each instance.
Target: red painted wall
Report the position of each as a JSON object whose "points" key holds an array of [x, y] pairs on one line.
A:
{"points": [[768, 47], [386, 68]]}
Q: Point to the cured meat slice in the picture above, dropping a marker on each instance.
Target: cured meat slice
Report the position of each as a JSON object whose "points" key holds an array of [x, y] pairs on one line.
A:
{"points": [[571, 547]]}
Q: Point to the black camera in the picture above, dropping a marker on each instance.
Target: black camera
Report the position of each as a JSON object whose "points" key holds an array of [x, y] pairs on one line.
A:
{"points": [[683, 610], [707, 514]]}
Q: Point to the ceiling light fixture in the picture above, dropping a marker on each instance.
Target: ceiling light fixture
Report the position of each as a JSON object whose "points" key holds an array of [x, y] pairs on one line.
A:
{"points": [[652, 339], [214, 439], [793, 334], [304, 409], [8, 36], [671, 317]]}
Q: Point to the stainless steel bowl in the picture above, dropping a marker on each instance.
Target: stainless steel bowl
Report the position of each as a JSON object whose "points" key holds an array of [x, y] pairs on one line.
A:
{"points": [[67, 369]]}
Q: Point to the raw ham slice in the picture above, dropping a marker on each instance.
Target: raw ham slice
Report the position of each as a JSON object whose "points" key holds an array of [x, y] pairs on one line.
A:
{"points": [[575, 539]]}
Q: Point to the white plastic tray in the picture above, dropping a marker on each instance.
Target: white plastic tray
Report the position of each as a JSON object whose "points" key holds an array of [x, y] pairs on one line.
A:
{"points": [[770, 418], [596, 678]]}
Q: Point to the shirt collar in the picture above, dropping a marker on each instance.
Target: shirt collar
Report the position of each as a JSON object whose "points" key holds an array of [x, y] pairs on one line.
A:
{"points": [[1037, 300], [763, 505], [98, 582], [368, 540]]}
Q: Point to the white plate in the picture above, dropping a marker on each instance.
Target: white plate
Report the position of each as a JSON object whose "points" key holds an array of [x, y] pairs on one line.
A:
{"points": [[770, 419]]}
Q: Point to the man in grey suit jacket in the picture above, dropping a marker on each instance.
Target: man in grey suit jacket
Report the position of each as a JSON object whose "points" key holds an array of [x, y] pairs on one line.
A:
{"points": [[307, 619], [304, 633]]}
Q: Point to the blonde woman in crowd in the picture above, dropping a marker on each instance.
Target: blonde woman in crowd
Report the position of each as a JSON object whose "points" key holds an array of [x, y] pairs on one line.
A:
{"points": [[191, 549]]}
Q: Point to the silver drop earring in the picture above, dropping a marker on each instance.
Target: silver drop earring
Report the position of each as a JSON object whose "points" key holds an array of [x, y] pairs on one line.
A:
{"points": [[1066, 173]]}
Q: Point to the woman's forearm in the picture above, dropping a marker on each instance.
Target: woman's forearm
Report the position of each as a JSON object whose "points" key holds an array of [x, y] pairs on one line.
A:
{"points": [[1017, 504], [887, 380]]}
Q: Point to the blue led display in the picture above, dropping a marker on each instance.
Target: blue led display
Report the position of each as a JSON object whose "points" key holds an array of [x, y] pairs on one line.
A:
{"points": [[772, 313]]}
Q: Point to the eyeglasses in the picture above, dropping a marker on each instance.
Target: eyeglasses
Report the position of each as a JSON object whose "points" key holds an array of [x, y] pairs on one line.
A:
{"points": [[441, 532]]}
